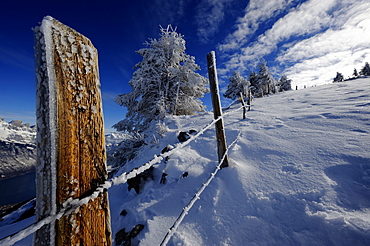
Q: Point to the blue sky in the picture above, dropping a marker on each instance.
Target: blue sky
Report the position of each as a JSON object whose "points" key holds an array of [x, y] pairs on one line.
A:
{"points": [[309, 41]]}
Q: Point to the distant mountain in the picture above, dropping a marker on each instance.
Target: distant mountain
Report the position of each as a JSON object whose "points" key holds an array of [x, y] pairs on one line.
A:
{"points": [[17, 148]]}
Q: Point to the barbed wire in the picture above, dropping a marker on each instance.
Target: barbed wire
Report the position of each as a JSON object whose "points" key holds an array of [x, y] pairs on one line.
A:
{"points": [[196, 197], [72, 204], [136, 171]]}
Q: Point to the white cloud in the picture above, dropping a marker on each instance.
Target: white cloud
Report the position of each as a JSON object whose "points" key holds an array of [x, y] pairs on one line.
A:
{"points": [[322, 70], [341, 48], [316, 39], [312, 16], [352, 34], [210, 13], [256, 12]]}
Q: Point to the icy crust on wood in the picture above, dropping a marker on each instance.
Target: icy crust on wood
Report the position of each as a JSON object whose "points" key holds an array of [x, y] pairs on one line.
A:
{"points": [[212, 73], [72, 157], [46, 130]]}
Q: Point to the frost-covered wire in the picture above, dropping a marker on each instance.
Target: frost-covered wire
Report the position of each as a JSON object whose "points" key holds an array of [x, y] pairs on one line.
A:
{"points": [[68, 208], [186, 209], [72, 204], [157, 159]]}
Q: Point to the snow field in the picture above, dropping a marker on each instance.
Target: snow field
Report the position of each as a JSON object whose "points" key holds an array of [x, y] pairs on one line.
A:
{"points": [[298, 175]]}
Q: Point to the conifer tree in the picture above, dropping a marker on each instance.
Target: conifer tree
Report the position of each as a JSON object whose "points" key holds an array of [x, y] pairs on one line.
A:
{"points": [[253, 82], [365, 71], [355, 73], [284, 83], [237, 84], [165, 82], [338, 78], [265, 82]]}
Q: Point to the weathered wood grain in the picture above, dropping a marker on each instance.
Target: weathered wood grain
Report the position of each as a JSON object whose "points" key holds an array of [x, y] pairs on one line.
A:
{"points": [[74, 115], [217, 111]]}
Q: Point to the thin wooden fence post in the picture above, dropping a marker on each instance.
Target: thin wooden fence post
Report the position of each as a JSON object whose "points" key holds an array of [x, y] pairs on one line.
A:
{"points": [[217, 111], [243, 104], [71, 158], [249, 100]]}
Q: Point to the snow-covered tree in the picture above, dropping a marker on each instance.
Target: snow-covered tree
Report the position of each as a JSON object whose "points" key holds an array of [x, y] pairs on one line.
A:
{"points": [[253, 82], [165, 82], [365, 71], [265, 82], [284, 84], [355, 73], [338, 78], [237, 84]]}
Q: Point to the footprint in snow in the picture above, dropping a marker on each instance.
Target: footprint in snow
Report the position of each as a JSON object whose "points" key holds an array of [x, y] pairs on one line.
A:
{"points": [[290, 169]]}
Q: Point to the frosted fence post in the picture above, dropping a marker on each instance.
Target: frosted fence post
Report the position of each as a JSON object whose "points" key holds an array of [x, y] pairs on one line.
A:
{"points": [[71, 158], [217, 111], [249, 100], [243, 104]]}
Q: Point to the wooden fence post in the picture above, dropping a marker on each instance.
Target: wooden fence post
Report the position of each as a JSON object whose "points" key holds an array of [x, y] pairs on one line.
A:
{"points": [[243, 104], [71, 158], [217, 111]]}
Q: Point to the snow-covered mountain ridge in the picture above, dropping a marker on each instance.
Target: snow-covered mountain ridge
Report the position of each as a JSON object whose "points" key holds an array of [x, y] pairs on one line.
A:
{"points": [[16, 131], [17, 148], [298, 175]]}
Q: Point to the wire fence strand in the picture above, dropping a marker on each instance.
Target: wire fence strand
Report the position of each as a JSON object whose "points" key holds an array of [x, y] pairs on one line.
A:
{"points": [[72, 204], [186, 209]]}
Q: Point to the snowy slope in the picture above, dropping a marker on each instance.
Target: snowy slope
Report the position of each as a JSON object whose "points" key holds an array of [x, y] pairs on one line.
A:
{"points": [[299, 175]]}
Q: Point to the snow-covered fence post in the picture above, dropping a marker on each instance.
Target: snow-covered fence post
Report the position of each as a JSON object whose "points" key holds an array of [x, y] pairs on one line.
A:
{"points": [[243, 104], [217, 111], [71, 158]]}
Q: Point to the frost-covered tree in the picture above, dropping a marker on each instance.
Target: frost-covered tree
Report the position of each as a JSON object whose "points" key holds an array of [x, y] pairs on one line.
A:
{"points": [[237, 84], [165, 82], [265, 82], [284, 84], [253, 82], [355, 73], [365, 71], [338, 78]]}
